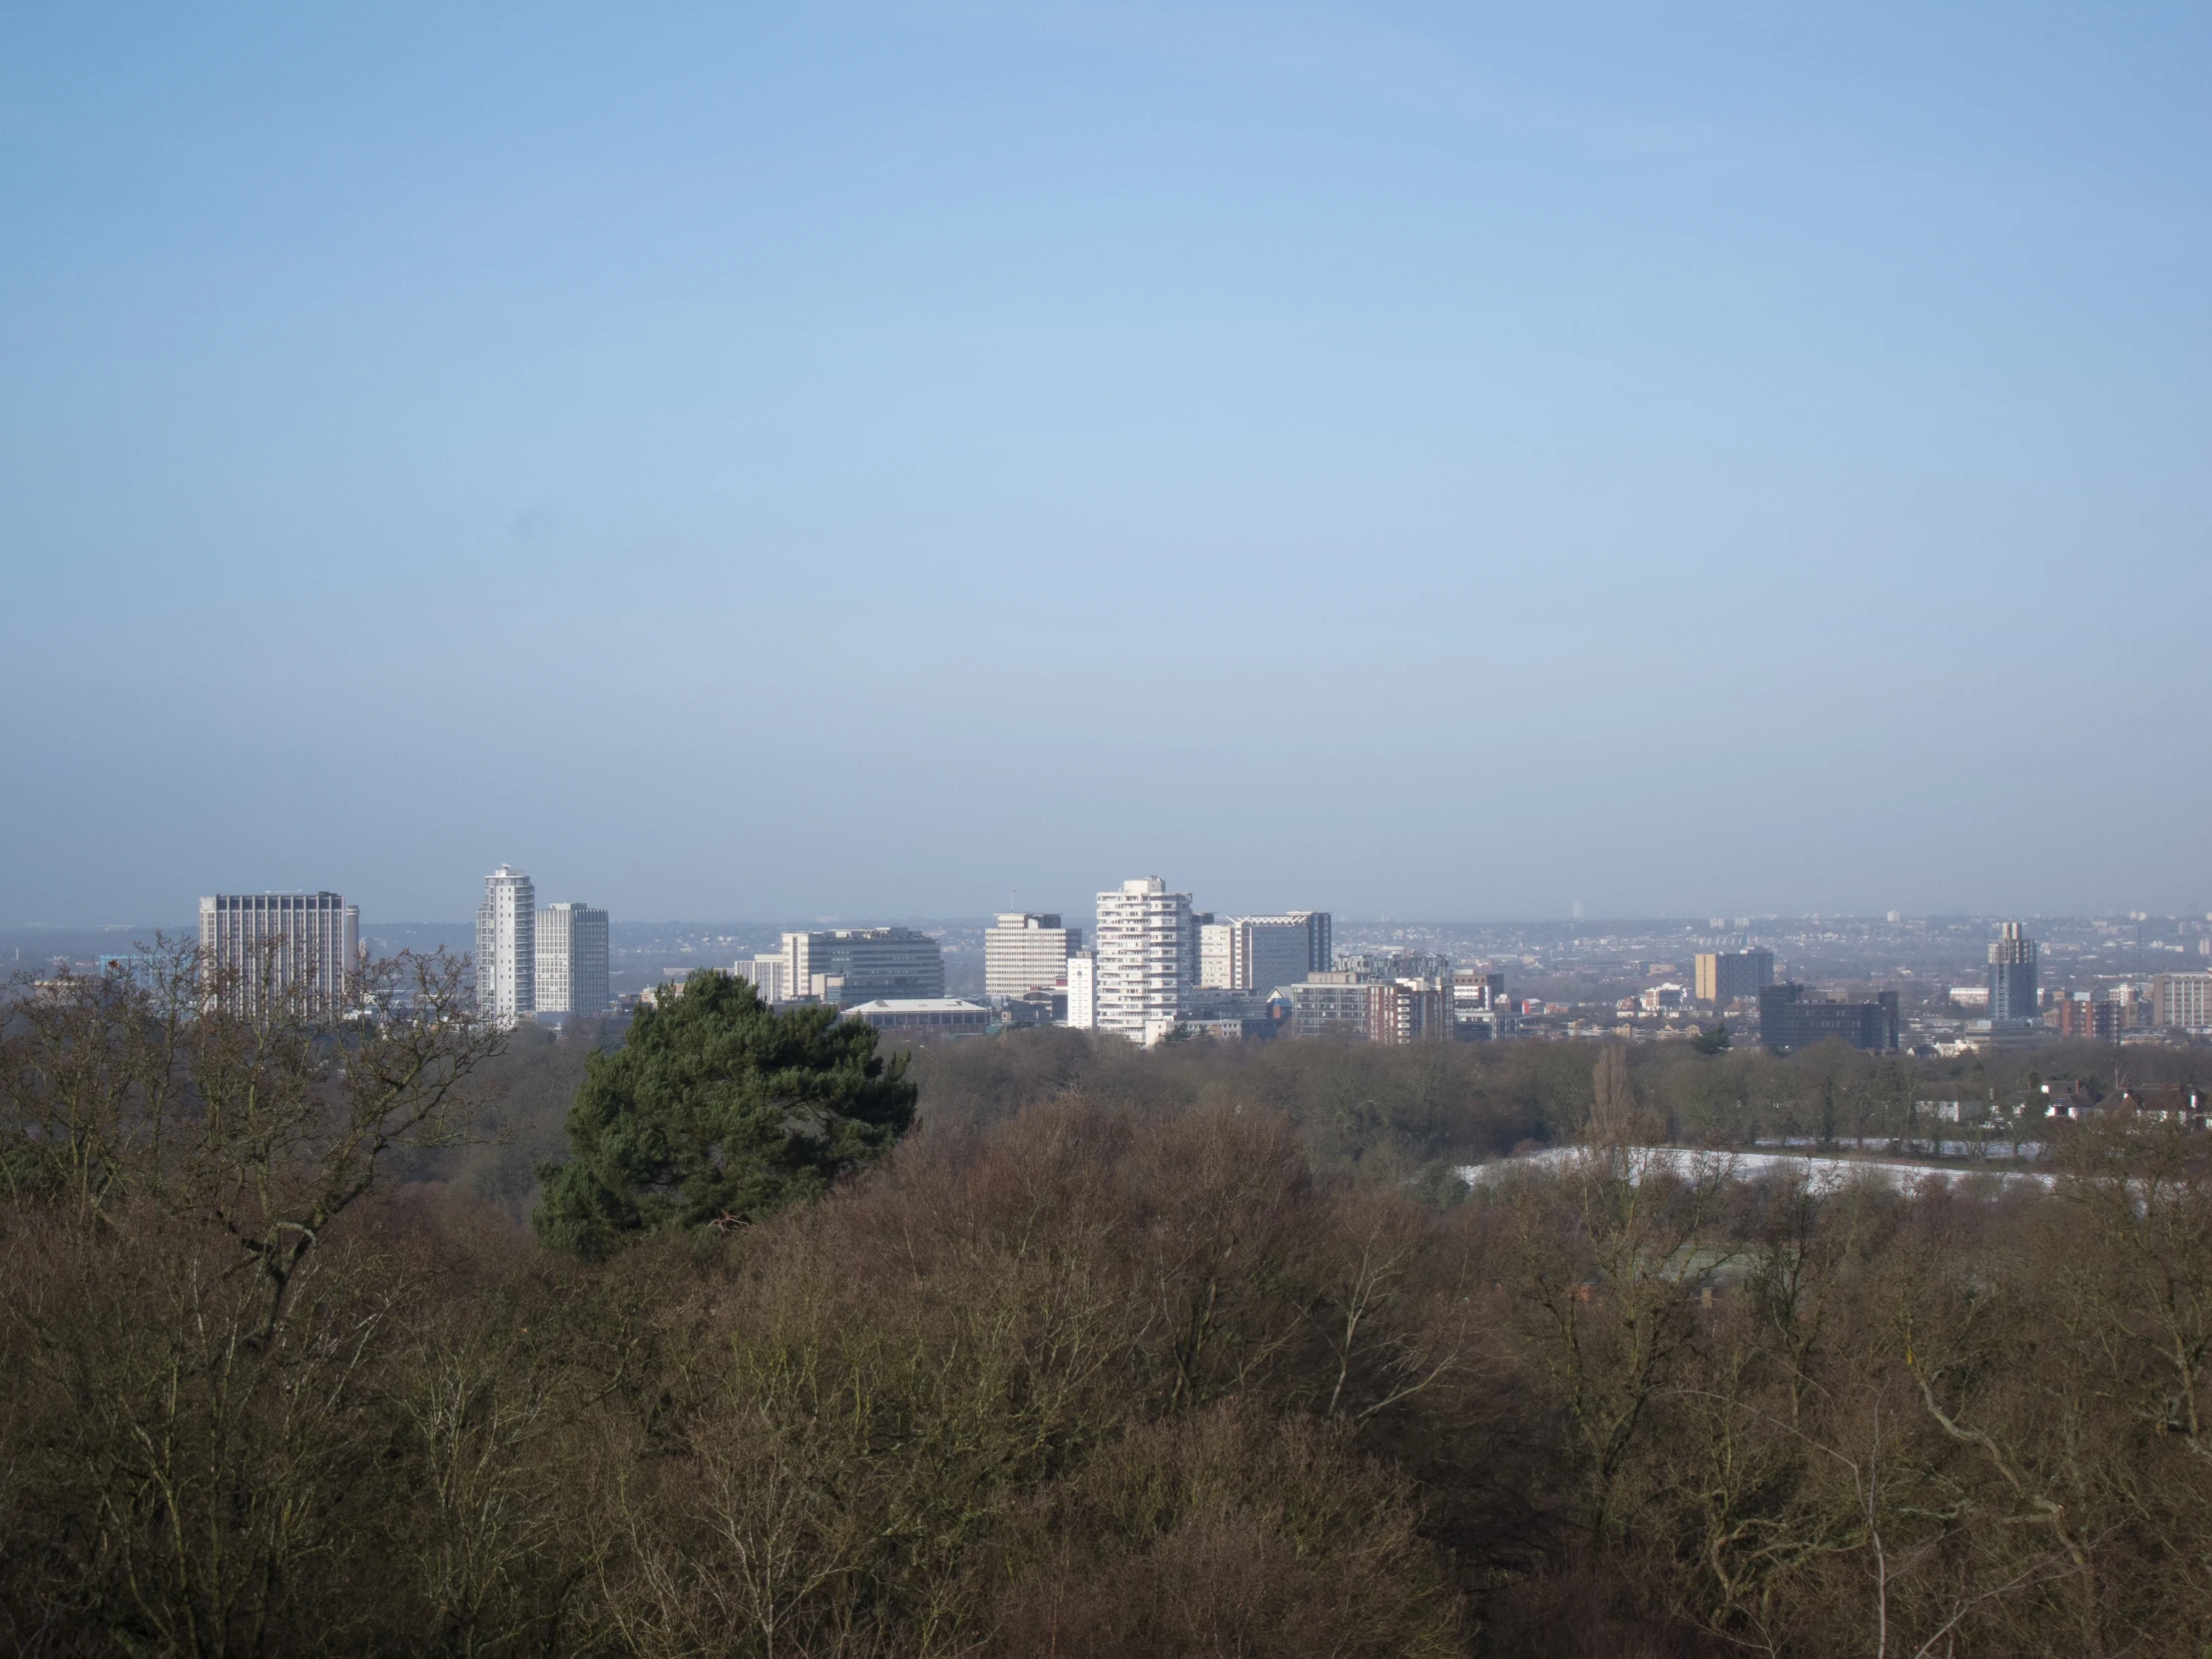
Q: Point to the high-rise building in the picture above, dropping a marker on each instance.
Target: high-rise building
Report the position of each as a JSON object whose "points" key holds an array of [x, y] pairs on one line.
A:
{"points": [[1791, 1018], [255, 947], [1145, 971], [1028, 951], [1082, 990], [770, 977], [507, 948], [846, 965], [2012, 975], [2181, 1001], [1724, 976], [1258, 953], [571, 960]]}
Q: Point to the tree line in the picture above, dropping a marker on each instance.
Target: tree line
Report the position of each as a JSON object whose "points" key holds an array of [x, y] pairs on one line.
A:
{"points": [[1039, 1345]]}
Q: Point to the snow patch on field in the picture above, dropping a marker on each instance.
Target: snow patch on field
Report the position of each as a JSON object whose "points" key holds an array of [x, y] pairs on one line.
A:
{"points": [[1824, 1173]]}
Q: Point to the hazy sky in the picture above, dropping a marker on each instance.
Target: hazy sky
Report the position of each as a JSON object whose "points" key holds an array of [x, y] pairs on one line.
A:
{"points": [[890, 460]]}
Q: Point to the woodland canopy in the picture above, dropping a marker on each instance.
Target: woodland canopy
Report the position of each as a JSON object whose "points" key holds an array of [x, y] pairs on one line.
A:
{"points": [[1206, 1350]]}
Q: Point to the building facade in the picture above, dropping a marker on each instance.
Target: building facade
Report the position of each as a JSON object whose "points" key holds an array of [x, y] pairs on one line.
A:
{"points": [[1791, 1017], [1333, 1004], [1419, 1010], [1145, 968], [507, 948], [571, 960], [1341, 1004], [1082, 1014], [2181, 1001], [1724, 976], [1258, 953], [2096, 1018], [846, 965], [1381, 966], [770, 977], [936, 1016], [254, 948], [1028, 951], [2012, 989]]}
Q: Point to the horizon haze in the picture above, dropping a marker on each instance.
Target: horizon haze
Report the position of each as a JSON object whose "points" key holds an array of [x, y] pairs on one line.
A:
{"points": [[920, 462]]}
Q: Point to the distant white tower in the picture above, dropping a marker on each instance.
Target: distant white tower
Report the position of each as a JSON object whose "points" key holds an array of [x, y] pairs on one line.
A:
{"points": [[1146, 965], [507, 948], [571, 960], [1082, 990]]}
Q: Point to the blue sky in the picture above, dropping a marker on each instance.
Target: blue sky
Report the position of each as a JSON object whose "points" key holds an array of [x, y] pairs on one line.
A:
{"points": [[902, 461]]}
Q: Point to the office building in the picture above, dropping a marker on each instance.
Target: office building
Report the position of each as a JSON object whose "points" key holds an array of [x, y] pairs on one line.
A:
{"points": [[846, 965], [1791, 1016], [1026, 952], [1726, 976], [935, 1016], [2013, 994], [770, 977], [1082, 1014], [258, 946], [507, 948], [1145, 967], [1257, 954], [571, 960], [2181, 1001]]}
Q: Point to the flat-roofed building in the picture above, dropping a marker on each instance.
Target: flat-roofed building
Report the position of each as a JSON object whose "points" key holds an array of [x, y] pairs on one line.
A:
{"points": [[507, 948], [1146, 947], [2181, 1001], [1726, 976], [770, 977], [1257, 954], [848, 966], [937, 1017], [1082, 1012], [1341, 1006], [1028, 951], [1477, 990], [256, 948], [2083, 1014], [1328, 1005], [1791, 1017], [571, 949], [1385, 966], [2012, 972]]}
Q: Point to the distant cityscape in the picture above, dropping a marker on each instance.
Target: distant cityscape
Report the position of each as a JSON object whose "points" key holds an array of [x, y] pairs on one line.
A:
{"points": [[1151, 967]]}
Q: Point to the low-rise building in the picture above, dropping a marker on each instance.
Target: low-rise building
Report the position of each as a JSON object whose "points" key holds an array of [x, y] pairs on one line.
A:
{"points": [[943, 1017]]}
